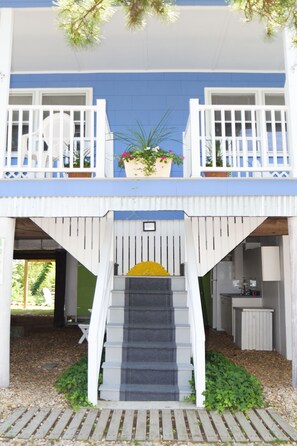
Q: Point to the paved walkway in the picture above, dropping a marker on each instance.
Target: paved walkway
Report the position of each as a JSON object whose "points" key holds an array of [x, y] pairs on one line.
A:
{"points": [[262, 425]]}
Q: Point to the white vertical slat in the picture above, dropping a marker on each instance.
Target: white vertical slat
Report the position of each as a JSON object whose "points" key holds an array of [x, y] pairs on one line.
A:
{"points": [[101, 138], [120, 249], [95, 241], [170, 234], [132, 246], [125, 247], [196, 238], [195, 135], [144, 237], [158, 248], [151, 247]]}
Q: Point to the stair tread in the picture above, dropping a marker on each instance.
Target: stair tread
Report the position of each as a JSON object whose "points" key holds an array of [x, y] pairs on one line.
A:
{"points": [[152, 326], [147, 308], [148, 365], [135, 344], [146, 387]]}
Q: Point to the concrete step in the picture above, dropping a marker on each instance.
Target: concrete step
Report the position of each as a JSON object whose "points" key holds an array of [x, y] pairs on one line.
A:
{"points": [[152, 352], [177, 282], [146, 373], [153, 315], [128, 392], [179, 299], [143, 332]]}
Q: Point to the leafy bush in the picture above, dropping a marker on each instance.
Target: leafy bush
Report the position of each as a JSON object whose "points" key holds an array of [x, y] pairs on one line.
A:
{"points": [[73, 382], [228, 386]]}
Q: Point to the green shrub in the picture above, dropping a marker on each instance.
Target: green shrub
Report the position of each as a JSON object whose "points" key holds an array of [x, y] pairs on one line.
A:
{"points": [[73, 382], [228, 386]]}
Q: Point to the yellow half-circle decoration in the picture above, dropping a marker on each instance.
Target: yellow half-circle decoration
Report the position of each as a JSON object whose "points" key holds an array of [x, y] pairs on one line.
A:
{"points": [[148, 269]]}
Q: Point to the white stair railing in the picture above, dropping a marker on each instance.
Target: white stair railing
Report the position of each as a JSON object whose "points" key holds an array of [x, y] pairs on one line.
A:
{"points": [[99, 311], [196, 317]]}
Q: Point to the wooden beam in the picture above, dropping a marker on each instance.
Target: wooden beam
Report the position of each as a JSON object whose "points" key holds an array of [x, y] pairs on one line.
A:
{"points": [[272, 226]]}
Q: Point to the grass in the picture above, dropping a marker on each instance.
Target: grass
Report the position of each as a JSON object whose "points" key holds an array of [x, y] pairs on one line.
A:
{"points": [[32, 311]]}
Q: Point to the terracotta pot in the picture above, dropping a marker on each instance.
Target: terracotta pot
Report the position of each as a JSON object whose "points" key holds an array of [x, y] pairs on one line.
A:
{"points": [[79, 174], [135, 168], [216, 174]]}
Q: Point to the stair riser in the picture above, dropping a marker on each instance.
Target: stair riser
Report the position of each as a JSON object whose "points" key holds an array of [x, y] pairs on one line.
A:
{"points": [[153, 316], [177, 283], [115, 354], [180, 334], [116, 376], [114, 395], [178, 299]]}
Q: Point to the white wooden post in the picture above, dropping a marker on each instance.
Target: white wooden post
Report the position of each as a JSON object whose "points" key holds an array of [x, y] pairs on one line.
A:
{"points": [[71, 287], [7, 226], [292, 224], [290, 54], [6, 29], [100, 138], [197, 326], [195, 137]]}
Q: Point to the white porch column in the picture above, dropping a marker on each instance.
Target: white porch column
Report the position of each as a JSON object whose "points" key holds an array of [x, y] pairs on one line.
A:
{"points": [[71, 287], [292, 224], [290, 55], [7, 226], [6, 29]]}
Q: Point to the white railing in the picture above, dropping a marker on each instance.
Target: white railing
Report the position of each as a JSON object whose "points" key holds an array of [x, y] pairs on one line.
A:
{"points": [[52, 141], [165, 245], [196, 317], [99, 311], [244, 141]]}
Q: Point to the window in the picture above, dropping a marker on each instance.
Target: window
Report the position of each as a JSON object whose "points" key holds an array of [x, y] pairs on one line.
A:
{"points": [[19, 120]]}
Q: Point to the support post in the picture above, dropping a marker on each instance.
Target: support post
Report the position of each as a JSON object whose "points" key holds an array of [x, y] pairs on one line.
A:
{"points": [[59, 320], [71, 287], [7, 226], [25, 284], [6, 30], [292, 226], [100, 138], [290, 54]]}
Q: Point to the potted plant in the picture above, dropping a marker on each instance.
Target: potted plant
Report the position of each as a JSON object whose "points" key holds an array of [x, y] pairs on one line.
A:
{"points": [[78, 162], [218, 161], [143, 155]]}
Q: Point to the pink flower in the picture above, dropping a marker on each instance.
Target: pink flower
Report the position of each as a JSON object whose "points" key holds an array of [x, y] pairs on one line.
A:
{"points": [[124, 154], [162, 158], [169, 151]]}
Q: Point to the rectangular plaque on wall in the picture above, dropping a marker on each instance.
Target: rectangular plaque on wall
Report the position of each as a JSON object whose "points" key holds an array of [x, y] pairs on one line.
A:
{"points": [[1, 260]]}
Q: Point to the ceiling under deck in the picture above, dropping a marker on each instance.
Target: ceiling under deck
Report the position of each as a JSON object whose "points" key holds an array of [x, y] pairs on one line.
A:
{"points": [[202, 39]]}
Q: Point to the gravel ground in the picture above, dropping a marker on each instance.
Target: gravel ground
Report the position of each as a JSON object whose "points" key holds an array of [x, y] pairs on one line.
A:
{"points": [[44, 352]]}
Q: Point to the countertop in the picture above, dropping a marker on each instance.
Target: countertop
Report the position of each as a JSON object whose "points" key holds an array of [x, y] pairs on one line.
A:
{"points": [[236, 295]]}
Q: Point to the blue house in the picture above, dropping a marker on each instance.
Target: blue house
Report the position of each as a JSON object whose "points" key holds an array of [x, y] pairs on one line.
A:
{"points": [[229, 91]]}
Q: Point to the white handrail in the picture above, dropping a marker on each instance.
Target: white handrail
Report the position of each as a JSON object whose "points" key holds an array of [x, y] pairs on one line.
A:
{"points": [[196, 319], [99, 311]]}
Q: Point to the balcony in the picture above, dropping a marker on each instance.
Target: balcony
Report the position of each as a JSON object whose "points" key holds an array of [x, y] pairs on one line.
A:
{"points": [[243, 141], [52, 142]]}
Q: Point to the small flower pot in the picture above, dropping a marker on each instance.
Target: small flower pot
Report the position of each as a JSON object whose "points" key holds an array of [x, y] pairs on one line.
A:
{"points": [[135, 169], [79, 174], [216, 174]]}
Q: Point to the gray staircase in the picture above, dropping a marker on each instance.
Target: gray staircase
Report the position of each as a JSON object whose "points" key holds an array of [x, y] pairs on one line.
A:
{"points": [[148, 347]]}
